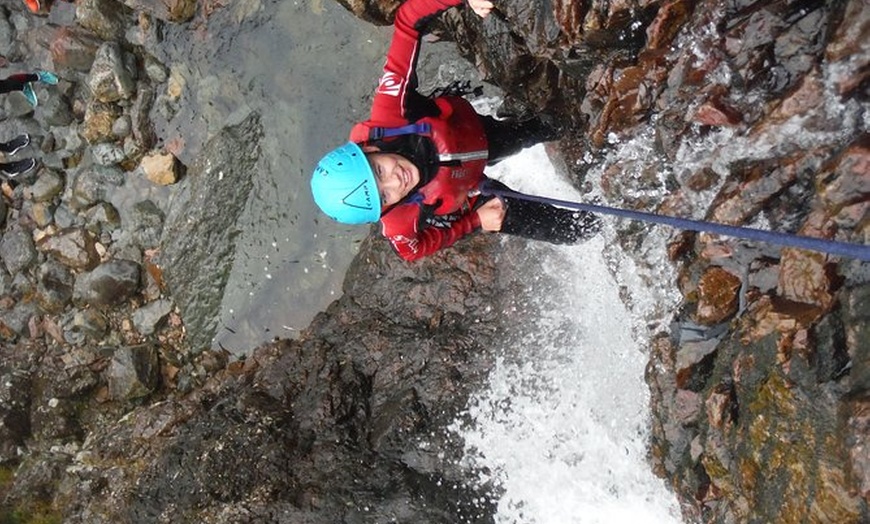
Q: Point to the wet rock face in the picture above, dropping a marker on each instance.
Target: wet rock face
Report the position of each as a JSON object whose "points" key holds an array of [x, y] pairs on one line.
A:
{"points": [[347, 424], [198, 239], [750, 410]]}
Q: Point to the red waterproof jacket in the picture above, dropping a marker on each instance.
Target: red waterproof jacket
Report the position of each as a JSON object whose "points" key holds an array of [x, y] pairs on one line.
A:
{"points": [[440, 213]]}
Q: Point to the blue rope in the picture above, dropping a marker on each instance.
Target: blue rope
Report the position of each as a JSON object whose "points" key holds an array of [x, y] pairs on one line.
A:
{"points": [[857, 251]]}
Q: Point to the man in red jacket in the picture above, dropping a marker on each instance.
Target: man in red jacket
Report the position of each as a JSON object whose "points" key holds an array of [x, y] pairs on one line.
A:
{"points": [[415, 165]]}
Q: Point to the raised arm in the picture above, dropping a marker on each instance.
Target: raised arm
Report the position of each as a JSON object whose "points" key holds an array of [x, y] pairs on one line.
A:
{"points": [[396, 101]]}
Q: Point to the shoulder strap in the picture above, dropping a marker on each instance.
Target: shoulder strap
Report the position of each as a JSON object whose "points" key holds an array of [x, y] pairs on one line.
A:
{"points": [[377, 133], [363, 132]]}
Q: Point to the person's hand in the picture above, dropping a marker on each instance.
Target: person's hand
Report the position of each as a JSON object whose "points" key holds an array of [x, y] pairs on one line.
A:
{"points": [[481, 7], [491, 215]]}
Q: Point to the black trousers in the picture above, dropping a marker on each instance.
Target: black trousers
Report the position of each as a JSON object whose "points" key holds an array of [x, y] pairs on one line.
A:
{"points": [[16, 82], [534, 220], [508, 137]]}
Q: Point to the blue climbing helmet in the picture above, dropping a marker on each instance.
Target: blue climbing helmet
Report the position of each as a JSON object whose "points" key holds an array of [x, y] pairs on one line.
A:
{"points": [[344, 186]]}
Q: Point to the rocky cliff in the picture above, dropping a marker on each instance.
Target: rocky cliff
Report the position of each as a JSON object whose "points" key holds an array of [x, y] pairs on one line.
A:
{"points": [[750, 113]]}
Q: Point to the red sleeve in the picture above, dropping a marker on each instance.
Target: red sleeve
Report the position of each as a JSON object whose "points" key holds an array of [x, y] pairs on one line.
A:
{"points": [[400, 226], [391, 97]]}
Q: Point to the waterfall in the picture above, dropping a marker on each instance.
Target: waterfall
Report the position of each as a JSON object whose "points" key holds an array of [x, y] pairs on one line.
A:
{"points": [[562, 429]]}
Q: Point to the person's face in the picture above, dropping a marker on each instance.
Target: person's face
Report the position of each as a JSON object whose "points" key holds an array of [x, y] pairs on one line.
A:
{"points": [[395, 176]]}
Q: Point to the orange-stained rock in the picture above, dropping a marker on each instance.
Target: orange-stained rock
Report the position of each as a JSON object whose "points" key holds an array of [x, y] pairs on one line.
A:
{"points": [[73, 48], [847, 179], [773, 314], [671, 17], [718, 406], [805, 277], [716, 112], [717, 296], [809, 276], [809, 93]]}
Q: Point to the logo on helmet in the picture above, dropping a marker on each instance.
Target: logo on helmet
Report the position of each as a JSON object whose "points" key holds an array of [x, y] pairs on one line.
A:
{"points": [[359, 198]]}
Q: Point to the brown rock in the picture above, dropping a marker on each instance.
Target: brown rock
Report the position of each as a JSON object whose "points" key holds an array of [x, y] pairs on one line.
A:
{"points": [[717, 296], [714, 247], [160, 168], [628, 103], [847, 179], [676, 205], [702, 179], [852, 37], [808, 276], [378, 12], [73, 247], [715, 112], [810, 92], [569, 17], [99, 119], [718, 406], [152, 267], [690, 358], [73, 49], [804, 277], [771, 314], [753, 184], [671, 17], [688, 406]]}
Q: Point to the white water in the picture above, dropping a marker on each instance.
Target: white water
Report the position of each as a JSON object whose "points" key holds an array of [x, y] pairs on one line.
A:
{"points": [[563, 427]]}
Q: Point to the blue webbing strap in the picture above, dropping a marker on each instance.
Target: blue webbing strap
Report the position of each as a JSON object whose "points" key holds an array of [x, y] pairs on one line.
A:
{"points": [[834, 247], [377, 133]]}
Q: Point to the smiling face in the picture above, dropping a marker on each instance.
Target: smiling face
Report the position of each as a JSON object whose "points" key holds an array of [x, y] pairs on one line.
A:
{"points": [[395, 175]]}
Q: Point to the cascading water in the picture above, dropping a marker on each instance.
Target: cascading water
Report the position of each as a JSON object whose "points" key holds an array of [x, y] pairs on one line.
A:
{"points": [[562, 429]]}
